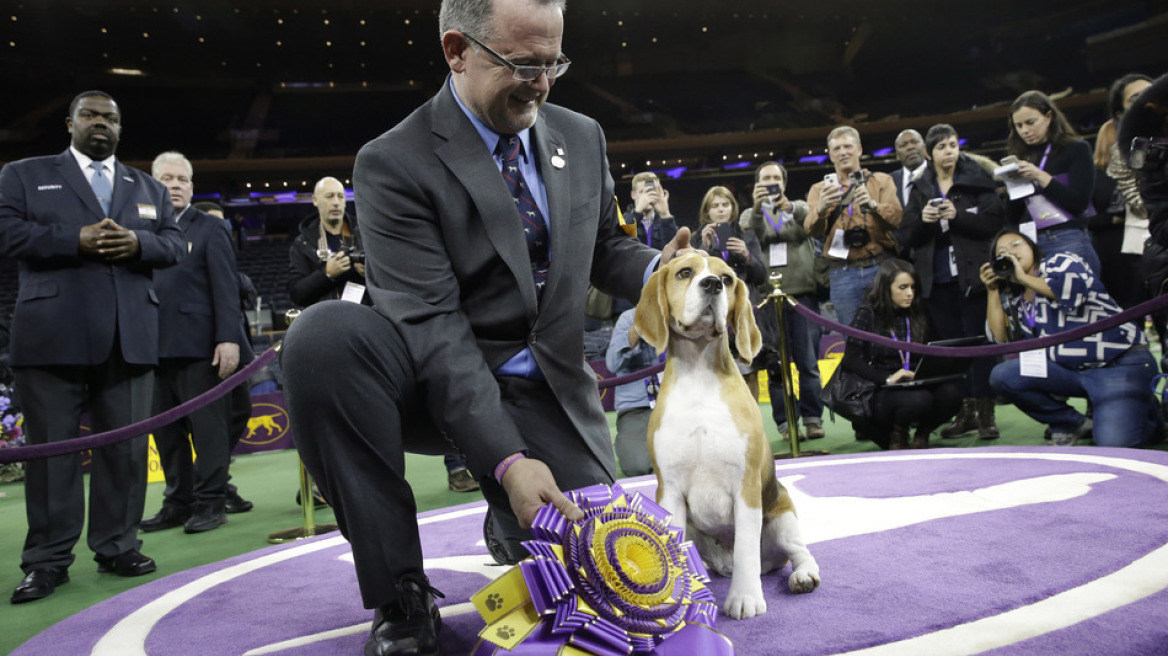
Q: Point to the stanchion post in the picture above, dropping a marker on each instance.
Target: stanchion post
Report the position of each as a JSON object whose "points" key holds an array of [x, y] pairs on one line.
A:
{"points": [[307, 499], [780, 300]]}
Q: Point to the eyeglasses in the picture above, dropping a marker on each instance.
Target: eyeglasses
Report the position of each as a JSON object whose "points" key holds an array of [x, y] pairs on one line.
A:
{"points": [[525, 73]]}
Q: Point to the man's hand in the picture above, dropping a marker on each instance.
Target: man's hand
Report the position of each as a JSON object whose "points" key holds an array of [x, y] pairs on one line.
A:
{"points": [[861, 197], [226, 358], [337, 264], [661, 205], [680, 244], [109, 241], [359, 268], [530, 485], [829, 196], [646, 200]]}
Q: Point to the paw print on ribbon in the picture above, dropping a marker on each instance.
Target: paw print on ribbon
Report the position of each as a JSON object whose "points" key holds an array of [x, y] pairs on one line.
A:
{"points": [[505, 632], [494, 601]]}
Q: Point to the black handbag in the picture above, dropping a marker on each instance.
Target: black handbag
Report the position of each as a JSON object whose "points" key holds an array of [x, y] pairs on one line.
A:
{"points": [[849, 395]]}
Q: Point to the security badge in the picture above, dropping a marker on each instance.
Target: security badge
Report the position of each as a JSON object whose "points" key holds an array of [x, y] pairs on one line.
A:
{"points": [[147, 211]]}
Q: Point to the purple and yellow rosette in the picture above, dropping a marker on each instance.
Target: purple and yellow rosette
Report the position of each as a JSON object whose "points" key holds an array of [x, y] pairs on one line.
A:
{"points": [[620, 581]]}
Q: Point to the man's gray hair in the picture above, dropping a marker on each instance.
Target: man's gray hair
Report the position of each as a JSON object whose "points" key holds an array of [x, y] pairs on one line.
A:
{"points": [[172, 157], [473, 17], [844, 131]]}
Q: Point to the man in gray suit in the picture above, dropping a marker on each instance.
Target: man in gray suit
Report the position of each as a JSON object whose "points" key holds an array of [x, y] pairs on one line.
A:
{"points": [[88, 233], [478, 265]]}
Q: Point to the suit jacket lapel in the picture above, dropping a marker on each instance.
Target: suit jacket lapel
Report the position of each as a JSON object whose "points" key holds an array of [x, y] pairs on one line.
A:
{"points": [[123, 190], [467, 158], [550, 143], [67, 165]]}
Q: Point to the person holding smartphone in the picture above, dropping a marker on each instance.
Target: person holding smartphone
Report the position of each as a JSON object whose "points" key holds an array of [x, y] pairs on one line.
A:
{"points": [[722, 236], [953, 211], [855, 211]]}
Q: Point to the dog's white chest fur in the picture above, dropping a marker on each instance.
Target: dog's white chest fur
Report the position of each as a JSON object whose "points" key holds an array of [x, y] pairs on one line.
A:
{"points": [[699, 446]]}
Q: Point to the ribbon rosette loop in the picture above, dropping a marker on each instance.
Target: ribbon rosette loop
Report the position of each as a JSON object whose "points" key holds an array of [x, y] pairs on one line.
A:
{"points": [[619, 581]]}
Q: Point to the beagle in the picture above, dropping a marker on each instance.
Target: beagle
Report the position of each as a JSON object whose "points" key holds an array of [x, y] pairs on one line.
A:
{"points": [[715, 468]]}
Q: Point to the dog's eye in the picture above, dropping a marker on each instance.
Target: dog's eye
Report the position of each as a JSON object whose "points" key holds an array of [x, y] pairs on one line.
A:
{"points": [[728, 280], [684, 273]]}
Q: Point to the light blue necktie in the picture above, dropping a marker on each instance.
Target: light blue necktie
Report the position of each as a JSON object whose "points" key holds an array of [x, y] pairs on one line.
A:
{"points": [[101, 187]]}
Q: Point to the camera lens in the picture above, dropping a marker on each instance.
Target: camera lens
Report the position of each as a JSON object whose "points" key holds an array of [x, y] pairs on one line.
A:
{"points": [[1003, 267]]}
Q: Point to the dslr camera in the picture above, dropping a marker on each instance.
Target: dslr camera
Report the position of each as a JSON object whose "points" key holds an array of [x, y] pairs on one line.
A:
{"points": [[356, 255], [1003, 267], [857, 237]]}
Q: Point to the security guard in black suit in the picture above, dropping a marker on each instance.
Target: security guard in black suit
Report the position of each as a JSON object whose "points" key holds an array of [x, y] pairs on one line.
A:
{"points": [[201, 330], [88, 233]]}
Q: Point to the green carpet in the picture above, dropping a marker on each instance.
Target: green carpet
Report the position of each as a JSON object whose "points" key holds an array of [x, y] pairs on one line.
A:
{"points": [[270, 480]]}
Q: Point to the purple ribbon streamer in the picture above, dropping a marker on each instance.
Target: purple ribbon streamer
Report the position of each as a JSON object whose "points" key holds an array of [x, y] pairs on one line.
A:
{"points": [[62, 447]]}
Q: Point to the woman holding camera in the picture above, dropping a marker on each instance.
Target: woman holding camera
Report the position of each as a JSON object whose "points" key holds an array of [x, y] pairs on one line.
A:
{"points": [[722, 236], [1030, 296], [953, 212], [1061, 167], [893, 307]]}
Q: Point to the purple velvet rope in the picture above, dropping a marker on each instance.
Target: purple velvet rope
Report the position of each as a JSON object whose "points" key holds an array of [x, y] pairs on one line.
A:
{"points": [[1141, 310], [62, 447]]}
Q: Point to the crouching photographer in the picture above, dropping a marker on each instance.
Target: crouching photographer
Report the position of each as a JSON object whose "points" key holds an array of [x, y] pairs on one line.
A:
{"points": [[1113, 368], [722, 236]]}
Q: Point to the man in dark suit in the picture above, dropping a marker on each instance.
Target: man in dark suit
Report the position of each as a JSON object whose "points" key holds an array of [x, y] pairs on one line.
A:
{"points": [[201, 329], [910, 152], [478, 266], [88, 233]]}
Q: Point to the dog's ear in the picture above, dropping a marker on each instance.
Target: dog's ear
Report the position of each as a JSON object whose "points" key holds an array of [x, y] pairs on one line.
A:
{"points": [[652, 311], [746, 335]]}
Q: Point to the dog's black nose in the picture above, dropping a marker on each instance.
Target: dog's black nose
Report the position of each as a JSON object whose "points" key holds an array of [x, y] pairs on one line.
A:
{"points": [[711, 285]]}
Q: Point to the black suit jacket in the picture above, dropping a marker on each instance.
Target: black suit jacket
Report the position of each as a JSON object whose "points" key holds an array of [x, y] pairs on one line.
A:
{"points": [[68, 306], [447, 263], [200, 296]]}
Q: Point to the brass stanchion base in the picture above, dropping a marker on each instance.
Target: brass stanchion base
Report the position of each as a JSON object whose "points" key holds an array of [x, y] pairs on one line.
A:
{"points": [[801, 454], [299, 533]]}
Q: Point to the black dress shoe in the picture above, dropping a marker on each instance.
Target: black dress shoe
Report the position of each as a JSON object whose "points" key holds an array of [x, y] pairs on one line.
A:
{"points": [[168, 517], [236, 504], [410, 626], [205, 518], [128, 563], [39, 584]]}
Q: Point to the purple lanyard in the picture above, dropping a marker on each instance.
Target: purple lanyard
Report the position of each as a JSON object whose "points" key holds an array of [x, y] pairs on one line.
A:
{"points": [[904, 355], [1045, 155], [770, 220], [718, 244], [648, 233], [1030, 313]]}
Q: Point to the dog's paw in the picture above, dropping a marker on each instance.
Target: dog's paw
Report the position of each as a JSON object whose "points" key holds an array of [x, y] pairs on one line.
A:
{"points": [[742, 604], [802, 581]]}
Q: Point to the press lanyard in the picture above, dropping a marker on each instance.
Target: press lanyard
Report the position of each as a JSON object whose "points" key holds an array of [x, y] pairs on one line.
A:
{"points": [[770, 220], [1045, 155], [718, 244], [648, 234], [1030, 313], [905, 356]]}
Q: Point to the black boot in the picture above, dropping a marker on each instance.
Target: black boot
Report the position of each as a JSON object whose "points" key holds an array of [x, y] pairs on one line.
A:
{"points": [[897, 438], [986, 428], [409, 626], [920, 439], [965, 421]]}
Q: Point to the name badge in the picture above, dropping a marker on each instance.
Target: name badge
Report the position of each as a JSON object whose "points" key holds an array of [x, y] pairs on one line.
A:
{"points": [[778, 254], [1032, 364], [353, 292], [148, 212]]}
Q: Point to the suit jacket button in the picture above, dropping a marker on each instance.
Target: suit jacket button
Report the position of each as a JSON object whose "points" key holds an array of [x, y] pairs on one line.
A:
{"points": [[532, 338]]}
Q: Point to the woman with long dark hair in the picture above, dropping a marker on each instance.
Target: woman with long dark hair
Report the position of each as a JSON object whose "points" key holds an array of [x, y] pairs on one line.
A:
{"points": [[1051, 294], [1061, 167], [893, 307], [953, 211]]}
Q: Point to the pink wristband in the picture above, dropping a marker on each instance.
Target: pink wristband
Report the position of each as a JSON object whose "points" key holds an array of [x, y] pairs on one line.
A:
{"points": [[503, 466]]}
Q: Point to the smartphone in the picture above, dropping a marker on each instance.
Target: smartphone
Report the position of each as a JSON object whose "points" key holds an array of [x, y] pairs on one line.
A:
{"points": [[774, 189], [723, 232], [936, 202], [831, 180], [650, 185]]}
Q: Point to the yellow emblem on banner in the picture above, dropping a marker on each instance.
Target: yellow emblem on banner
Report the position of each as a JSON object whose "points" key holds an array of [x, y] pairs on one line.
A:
{"points": [[514, 627], [502, 596]]}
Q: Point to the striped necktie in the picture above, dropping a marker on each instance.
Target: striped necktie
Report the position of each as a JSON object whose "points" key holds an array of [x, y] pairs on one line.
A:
{"points": [[509, 148]]}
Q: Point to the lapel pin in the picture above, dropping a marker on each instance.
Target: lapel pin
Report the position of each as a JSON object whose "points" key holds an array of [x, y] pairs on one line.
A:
{"points": [[558, 161]]}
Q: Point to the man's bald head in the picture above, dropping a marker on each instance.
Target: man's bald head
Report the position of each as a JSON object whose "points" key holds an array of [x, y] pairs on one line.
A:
{"points": [[329, 198]]}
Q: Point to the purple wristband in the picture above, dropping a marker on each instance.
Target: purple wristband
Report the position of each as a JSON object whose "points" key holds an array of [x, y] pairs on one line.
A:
{"points": [[503, 466]]}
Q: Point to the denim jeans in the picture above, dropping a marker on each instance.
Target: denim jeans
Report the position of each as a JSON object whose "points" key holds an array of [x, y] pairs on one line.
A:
{"points": [[848, 285], [1070, 240], [803, 345], [1125, 408]]}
